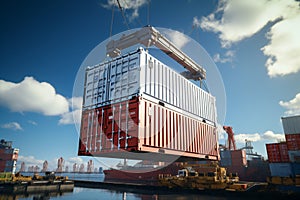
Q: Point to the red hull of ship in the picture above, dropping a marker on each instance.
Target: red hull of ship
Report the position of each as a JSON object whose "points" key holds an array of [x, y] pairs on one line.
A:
{"points": [[135, 175]]}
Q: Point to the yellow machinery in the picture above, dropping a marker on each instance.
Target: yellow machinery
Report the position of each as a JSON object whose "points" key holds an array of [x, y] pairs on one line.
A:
{"points": [[49, 176], [202, 176], [276, 180]]}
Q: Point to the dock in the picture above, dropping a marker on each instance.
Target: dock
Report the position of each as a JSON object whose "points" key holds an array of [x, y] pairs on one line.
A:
{"points": [[32, 187]]}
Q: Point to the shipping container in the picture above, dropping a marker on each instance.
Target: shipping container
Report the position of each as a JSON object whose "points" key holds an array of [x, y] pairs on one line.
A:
{"points": [[284, 155], [238, 158], [293, 141], [225, 158], [143, 125], [296, 169], [140, 74], [294, 156], [281, 169], [274, 152], [291, 125]]}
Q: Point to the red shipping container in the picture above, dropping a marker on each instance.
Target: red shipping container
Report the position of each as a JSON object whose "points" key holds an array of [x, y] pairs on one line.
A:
{"points": [[141, 125], [238, 158], [284, 154], [293, 141], [273, 152]]}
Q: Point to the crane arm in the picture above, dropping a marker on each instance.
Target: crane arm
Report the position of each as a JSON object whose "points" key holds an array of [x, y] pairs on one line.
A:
{"points": [[149, 36], [231, 141]]}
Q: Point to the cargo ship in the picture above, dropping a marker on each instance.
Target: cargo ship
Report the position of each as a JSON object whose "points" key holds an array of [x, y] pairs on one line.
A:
{"points": [[8, 157], [145, 172]]}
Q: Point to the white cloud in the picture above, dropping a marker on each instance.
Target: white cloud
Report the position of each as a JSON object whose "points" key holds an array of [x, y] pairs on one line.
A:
{"points": [[75, 160], [235, 20], [74, 116], [228, 57], [292, 106], [240, 138], [13, 126], [32, 96], [132, 5], [284, 46], [32, 122], [30, 161], [178, 38], [268, 136]]}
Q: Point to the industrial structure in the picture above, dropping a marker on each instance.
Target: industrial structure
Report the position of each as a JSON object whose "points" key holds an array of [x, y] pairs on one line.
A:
{"points": [[8, 157]]}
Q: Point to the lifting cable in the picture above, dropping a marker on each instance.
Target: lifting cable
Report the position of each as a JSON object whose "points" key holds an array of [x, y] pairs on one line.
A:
{"points": [[148, 14], [112, 19], [138, 19], [123, 15]]}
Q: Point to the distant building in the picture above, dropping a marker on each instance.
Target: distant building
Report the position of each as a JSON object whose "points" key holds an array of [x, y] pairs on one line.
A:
{"points": [[8, 157], [90, 166], [22, 169], [75, 167], [36, 169], [60, 164], [81, 168], [67, 169], [30, 169], [45, 166]]}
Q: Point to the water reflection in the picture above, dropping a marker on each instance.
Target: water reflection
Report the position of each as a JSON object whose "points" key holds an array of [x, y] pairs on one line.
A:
{"points": [[98, 193], [37, 196]]}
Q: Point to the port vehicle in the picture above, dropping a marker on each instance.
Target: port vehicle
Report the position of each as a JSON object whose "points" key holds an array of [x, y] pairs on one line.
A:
{"points": [[208, 176]]}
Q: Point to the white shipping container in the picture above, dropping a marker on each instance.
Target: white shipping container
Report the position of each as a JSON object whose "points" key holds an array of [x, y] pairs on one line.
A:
{"points": [[291, 125], [140, 74]]}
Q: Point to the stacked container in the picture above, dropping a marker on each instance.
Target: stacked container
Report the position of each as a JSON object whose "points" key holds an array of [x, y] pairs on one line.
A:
{"points": [[284, 158], [135, 103], [8, 157], [225, 158], [238, 158], [277, 152]]}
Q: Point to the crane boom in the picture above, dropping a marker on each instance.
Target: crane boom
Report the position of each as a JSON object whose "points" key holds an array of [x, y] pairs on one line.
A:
{"points": [[149, 36], [231, 141]]}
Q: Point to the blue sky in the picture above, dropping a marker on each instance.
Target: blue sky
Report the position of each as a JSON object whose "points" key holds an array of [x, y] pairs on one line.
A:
{"points": [[254, 45]]}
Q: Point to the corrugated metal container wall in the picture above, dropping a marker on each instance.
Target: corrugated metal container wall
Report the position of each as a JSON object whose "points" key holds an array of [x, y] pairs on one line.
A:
{"points": [[281, 169], [225, 158], [296, 169], [143, 125], [140, 74], [294, 156], [284, 155], [238, 158], [291, 125], [293, 141], [273, 152]]}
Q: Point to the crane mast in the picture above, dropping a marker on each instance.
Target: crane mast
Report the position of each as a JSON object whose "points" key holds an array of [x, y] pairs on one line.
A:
{"points": [[231, 141], [149, 36]]}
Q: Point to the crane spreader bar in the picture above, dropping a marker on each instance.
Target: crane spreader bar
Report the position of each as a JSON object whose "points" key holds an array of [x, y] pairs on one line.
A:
{"points": [[149, 36]]}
